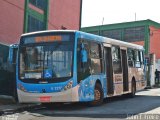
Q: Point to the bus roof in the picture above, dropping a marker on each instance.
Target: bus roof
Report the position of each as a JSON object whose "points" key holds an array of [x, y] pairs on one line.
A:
{"points": [[92, 37], [48, 31], [111, 41]]}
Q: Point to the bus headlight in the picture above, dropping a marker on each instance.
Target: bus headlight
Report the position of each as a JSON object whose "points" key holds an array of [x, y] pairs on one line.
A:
{"points": [[68, 86], [20, 86]]}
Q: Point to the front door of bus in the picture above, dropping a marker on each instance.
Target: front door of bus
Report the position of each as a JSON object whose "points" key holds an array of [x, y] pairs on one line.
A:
{"points": [[109, 70], [125, 70]]}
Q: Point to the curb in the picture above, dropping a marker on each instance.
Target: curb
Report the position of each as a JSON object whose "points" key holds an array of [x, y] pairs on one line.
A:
{"points": [[148, 87], [152, 87]]}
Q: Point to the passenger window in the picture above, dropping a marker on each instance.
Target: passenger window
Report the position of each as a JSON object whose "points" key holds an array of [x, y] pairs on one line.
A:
{"points": [[137, 60], [83, 69], [96, 59], [131, 58], [142, 57], [95, 51], [116, 56], [134, 58]]}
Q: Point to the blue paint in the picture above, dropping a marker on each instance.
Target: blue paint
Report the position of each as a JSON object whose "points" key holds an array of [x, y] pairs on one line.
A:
{"points": [[86, 90], [37, 88]]}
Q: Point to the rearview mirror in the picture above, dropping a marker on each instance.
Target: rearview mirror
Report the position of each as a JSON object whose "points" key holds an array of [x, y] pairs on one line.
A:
{"points": [[13, 53]]}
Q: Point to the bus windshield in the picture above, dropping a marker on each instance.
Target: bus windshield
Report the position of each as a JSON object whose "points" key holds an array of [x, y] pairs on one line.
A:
{"points": [[46, 60]]}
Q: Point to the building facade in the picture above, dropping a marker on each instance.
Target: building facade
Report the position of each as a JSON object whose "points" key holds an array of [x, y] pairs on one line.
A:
{"points": [[145, 32], [21, 16]]}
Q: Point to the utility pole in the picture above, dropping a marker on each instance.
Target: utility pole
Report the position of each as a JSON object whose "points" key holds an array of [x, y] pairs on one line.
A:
{"points": [[102, 21], [101, 26], [135, 16]]}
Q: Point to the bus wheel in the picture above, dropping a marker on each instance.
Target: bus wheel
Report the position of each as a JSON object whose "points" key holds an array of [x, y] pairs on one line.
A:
{"points": [[98, 96], [133, 89]]}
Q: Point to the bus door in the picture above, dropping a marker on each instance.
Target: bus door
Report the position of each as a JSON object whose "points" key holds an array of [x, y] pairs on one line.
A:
{"points": [[109, 70], [125, 70]]}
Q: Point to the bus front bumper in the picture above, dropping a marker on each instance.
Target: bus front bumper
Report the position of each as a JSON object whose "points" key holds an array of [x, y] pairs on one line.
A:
{"points": [[70, 95]]}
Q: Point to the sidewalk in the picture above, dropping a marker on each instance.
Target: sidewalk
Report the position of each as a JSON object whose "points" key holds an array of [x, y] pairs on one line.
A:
{"points": [[9, 106], [13, 108], [154, 86], [157, 85]]}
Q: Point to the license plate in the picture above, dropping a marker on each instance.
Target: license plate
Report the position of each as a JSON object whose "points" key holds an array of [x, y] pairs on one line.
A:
{"points": [[45, 99]]}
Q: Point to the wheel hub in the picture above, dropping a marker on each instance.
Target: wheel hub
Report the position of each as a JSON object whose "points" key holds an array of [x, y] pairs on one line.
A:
{"points": [[97, 95]]}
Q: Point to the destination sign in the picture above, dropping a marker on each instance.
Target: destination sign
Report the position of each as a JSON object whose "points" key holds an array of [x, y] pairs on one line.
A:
{"points": [[44, 39], [48, 39]]}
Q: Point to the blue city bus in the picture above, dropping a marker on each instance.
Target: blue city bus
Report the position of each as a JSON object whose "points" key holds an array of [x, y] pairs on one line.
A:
{"points": [[73, 66]]}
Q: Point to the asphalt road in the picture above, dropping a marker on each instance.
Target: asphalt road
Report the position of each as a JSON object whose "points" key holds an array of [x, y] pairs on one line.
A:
{"points": [[145, 105]]}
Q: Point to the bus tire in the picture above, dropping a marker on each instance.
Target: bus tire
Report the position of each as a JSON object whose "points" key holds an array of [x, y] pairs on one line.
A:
{"points": [[133, 89], [98, 96]]}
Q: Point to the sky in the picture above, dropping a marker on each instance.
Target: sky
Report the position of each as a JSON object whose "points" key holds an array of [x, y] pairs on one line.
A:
{"points": [[98, 12]]}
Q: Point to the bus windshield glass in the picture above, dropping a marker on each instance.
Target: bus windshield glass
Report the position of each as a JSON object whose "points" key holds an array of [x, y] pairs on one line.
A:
{"points": [[46, 60]]}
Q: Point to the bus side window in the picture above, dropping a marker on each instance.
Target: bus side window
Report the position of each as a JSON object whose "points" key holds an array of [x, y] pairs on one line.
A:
{"points": [[83, 69], [137, 60], [131, 58], [96, 58], [116, 56], [142, 57]]}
